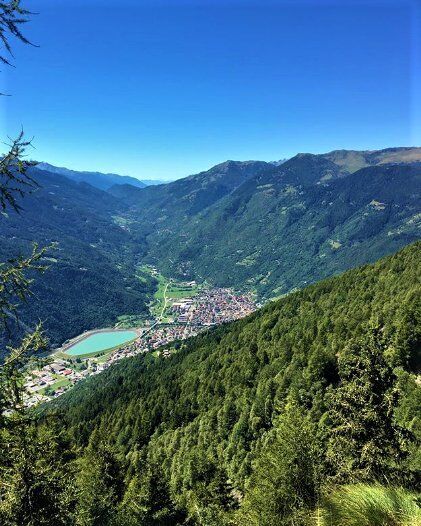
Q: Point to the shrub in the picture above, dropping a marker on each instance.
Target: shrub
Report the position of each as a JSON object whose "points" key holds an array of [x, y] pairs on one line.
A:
{"points": [[370, 505]]}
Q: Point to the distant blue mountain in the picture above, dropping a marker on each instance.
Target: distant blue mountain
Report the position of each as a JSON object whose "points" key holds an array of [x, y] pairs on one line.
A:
{"points": [[96, 179], [155, 182]]}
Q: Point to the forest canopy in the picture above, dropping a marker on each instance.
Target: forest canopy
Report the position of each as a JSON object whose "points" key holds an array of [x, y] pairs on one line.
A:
{"points": [[253, 421]]}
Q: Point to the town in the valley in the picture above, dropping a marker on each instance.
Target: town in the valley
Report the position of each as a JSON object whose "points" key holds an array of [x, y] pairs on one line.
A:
{"points": [[180, 310]]}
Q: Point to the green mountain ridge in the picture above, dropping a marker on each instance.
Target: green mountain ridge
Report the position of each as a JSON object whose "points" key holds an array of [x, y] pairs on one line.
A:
{"points": [[286, 226], [196, 433], [190, 195]]}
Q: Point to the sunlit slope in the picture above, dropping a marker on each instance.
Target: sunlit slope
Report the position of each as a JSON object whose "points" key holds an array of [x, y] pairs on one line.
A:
{"points": [[203, 414], [293, 225]]}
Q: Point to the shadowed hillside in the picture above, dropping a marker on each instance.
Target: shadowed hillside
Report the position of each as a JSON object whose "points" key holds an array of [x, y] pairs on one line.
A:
{"points": [[91, 275]]}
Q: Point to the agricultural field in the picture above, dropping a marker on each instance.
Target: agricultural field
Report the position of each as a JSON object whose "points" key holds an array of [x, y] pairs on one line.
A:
{"points": [[129, 321], [168, 291], [178, 291]]}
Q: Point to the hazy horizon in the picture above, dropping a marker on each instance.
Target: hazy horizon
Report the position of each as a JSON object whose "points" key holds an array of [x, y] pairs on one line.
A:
{"points": [[169, 180]]}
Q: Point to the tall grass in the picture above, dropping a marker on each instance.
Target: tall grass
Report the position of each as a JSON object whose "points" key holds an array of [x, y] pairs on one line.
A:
{"points": [[370, 505]]}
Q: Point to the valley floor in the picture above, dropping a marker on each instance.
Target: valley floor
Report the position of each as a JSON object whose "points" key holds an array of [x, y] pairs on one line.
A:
{"points": [[179, 310]]}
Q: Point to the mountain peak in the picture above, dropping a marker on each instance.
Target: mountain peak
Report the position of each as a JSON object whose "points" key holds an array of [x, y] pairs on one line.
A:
{"points": [[353, 160]]}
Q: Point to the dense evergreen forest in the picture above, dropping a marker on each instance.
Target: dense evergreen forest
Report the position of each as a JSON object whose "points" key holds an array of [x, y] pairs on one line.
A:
{"points": [[92, 275], [257, 421]]}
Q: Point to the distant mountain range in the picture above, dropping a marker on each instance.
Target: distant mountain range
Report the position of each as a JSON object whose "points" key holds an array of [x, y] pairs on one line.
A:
{"points": [[188, 196], [98, 179], [350, 161], [251, 225]]}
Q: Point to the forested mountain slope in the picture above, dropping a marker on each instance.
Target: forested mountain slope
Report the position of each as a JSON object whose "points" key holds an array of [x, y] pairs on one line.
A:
{"points": [[90, 280], [291, 225], [251, 422], [167, 205]]}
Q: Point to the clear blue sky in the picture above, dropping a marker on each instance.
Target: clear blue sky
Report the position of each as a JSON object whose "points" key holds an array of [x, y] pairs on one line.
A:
{"points": [[164, 89]]}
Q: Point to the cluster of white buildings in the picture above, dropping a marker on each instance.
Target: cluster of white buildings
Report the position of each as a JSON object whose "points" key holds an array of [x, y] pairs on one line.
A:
{"points": [[212, 307], [38, 382]]}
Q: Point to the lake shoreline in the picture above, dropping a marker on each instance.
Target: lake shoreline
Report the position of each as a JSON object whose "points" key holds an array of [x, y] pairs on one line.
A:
{"points": [[78, 339]]}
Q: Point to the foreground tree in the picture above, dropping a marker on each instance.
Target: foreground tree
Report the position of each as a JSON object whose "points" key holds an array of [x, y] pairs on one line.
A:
{"points": [[14, 178], [285, 484], [147, 499], [100, 485], [364, 435], [34, 480]]}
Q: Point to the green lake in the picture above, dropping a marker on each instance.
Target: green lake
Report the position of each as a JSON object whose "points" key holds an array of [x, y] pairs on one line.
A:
{"points": [[101, 341]]}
